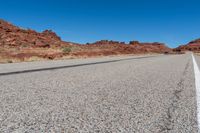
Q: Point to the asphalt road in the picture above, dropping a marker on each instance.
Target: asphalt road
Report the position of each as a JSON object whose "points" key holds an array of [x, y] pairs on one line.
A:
{"points": [[151, 94]]}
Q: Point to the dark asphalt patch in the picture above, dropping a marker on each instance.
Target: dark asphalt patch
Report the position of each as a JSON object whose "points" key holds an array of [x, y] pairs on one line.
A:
{"points": [[69, 66]]}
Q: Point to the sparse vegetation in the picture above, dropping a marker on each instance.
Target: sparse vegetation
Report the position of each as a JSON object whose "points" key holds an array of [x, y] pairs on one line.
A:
{"points": [[24, 45], [67, 50], [10, 61]]}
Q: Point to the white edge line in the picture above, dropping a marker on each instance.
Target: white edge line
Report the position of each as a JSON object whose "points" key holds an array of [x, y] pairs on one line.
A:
{"points": [[197, 84]]}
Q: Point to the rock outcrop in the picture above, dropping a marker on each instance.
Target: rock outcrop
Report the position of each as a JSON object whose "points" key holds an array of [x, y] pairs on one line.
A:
{"points": [[12, 36], [191, 46]]}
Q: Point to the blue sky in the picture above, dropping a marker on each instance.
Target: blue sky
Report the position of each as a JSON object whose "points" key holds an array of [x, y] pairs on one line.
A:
{"points": [[173, 22]]}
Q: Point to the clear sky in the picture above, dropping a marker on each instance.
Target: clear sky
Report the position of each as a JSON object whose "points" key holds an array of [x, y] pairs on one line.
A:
{"points": [[173, 22]]}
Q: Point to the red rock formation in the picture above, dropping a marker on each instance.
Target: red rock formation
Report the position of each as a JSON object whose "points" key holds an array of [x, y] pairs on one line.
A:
{"points": [[12, 36], [21, 43], [191, 46], [131, 48], [134, 42]]}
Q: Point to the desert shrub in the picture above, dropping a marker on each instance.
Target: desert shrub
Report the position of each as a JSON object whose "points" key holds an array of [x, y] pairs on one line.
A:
{"points": [[67, 50], [9, 61], [24, 45]]}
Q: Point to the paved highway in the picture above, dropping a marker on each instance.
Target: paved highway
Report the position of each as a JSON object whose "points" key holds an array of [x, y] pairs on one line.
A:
{"points": [[127, 94]]}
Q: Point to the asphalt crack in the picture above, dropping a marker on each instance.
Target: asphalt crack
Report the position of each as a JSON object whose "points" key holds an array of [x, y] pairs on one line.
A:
{"points": [[169, 119]]}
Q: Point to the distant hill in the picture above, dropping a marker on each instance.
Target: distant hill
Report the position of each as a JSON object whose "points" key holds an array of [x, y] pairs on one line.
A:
{"points": [[191, 46]]}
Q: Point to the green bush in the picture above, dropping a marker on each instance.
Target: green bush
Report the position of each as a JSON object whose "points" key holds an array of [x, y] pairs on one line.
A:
{"points": [[67, 49], [9, 61]]}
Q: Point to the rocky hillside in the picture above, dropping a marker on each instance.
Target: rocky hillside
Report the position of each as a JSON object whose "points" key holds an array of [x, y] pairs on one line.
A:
{"points": [[12, 36], [17, 44], [191, 46]]}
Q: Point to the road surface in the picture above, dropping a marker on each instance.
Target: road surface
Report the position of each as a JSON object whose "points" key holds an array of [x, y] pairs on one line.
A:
{"points": [[127, 94]]}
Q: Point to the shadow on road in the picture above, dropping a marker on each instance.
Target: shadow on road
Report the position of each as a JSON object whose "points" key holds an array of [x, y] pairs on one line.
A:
{"points": [[70, 66]]}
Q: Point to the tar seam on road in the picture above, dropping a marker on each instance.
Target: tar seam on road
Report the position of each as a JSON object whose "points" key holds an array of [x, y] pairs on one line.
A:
{"points": [[197, 84], [69, 66]]}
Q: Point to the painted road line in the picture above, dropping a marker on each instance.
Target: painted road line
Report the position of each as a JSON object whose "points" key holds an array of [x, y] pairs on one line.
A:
{"points": [[197, 84]]}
